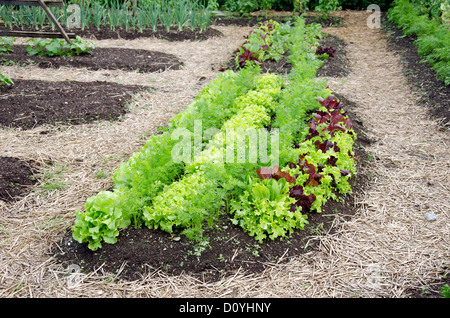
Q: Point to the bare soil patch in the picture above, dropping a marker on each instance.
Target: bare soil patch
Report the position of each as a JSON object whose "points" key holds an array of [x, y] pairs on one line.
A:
{"points": [[31, 103], [338, 64], [16, 176], [160, 33], [173, 35], [125, 59]]}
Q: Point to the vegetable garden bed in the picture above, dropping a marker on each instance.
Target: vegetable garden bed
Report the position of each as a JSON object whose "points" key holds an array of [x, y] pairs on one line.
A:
{"points": [[31, 103], [143, 61], [228, 246]]}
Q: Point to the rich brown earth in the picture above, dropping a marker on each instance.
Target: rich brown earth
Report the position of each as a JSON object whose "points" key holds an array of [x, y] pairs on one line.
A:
{"points": [[140, 60], [338, 64], [105, 33], [160, 33], [31, 103], [16, 177]]}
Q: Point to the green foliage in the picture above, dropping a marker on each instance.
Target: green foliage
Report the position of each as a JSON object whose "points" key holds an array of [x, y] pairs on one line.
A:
{"points": [[116, 14], [325, 7], [267, 41], [357, 4], [247, 6], [431, 8], [5, 81], [263, 210], [105, 214], [445, 291], [187, 203], [433, 37], [6, 45], [59, 47], [146, 174]]}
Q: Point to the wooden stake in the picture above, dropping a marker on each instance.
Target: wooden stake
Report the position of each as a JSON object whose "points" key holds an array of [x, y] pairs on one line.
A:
{"points": [[52, 17]]}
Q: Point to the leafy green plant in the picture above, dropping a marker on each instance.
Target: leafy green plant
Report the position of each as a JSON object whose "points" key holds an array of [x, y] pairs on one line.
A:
{"points": [[6, 45], [5, 81], [59, 47], [445, 291], [260, 45], [263, 209], [104, 216]]}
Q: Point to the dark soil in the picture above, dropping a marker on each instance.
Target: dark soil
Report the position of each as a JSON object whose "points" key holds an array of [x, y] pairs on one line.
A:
{"points": [[143, 61], [338, 64], [434, 95], [160, 33], [255, 20], [229, 247], [31, 103], [105, 32], [16, 177]]}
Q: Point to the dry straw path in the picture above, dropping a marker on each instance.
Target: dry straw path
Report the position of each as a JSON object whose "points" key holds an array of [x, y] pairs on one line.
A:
{"points": [[382, 251]]}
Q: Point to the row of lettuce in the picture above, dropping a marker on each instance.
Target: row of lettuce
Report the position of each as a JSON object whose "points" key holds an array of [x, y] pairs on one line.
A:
{"points": [[313, 155], [432, 31]]}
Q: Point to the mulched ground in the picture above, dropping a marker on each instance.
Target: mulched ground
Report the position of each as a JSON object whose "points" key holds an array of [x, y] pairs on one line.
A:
{"points": [[124, 59], [31, 103], [16, 178], [434, 95]]}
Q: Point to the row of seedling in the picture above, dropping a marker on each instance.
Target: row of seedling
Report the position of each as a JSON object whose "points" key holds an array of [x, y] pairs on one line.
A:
{"points": [[114, 15]]}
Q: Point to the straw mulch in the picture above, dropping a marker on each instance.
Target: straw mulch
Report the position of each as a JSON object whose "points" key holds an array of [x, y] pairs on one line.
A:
{"points": [[382, 251]]}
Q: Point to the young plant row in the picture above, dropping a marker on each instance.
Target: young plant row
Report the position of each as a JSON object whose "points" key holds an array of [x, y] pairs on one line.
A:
{"points": [[145, 175], [433, 35], [267, 41], [316, 157], [116, 14]]}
